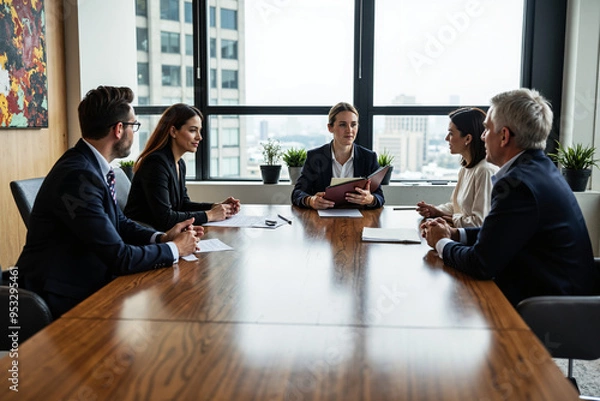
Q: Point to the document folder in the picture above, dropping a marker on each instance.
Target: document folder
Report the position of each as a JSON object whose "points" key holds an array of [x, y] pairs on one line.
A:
{"points": [[337, 193]]}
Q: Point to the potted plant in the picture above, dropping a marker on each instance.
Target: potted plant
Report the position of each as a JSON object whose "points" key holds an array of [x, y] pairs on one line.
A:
{"points": [[576, 162], [127, 167], [386, 159], [294, 158], [270, 171]]}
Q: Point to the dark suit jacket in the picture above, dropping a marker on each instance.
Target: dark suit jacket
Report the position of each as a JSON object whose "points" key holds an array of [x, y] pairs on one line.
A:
{"points": [[534, 240], [158, 197], [317, 172], [78, 239]]}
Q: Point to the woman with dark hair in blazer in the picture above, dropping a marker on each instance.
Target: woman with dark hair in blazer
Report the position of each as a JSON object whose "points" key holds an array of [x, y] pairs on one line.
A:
{"points": [[341, 158], [158, 194], [471, 198]]}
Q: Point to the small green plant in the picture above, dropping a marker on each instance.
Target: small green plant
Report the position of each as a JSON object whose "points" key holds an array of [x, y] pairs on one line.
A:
{"points": [[385, 158], [576, 157], [294, 157], [271, 151], [126, 163]]}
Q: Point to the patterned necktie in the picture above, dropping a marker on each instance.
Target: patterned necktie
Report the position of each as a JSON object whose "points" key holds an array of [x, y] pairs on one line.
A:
{"points": [[110, 178]]}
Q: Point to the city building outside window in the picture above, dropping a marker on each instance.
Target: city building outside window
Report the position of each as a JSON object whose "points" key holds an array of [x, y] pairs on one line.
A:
{"points": [[403, 63], [143, 74], [169, 10], [171, 76], [169, 42], [229, 49], [142, 39], [228, 19]]}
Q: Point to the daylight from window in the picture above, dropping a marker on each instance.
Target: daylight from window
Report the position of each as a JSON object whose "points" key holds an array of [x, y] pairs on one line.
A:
{"points": [[302, 52]]}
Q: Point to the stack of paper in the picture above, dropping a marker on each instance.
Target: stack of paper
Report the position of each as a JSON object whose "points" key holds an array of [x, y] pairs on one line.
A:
{"points": [[403, 235]]}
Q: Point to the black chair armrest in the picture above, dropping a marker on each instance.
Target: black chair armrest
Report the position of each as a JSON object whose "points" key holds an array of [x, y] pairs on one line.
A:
{"points": [[567, 325]]}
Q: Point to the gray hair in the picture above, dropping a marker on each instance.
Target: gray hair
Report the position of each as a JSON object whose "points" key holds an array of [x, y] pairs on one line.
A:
{"points": [[526, 113]]}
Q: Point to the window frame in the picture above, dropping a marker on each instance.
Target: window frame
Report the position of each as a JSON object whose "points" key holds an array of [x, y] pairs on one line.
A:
{"points": [[542, 68]]}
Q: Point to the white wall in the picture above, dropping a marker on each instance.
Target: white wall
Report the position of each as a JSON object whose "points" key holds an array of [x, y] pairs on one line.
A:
{"points": [[257, 192], [101, 50]]}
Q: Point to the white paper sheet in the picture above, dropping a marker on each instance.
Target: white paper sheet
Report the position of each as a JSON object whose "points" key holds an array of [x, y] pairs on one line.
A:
{"points": [[208, 245], [340, 213]]}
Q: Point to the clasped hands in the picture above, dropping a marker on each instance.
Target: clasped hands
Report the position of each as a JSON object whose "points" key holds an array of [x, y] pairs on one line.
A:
{"points": [[223, 210], [429, 211], [361, 196], [434, 230], [185, 235]]}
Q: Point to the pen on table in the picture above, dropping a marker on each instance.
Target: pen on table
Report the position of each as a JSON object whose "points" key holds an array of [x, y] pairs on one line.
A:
{"points": [[284, 219], [405, 208]]}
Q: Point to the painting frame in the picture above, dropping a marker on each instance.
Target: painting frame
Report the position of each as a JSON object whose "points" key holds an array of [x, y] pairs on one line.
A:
{"points": [[23, 65]]}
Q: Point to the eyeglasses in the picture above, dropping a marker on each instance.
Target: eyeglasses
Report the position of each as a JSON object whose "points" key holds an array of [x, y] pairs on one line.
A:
{"points": [[135, 126]]}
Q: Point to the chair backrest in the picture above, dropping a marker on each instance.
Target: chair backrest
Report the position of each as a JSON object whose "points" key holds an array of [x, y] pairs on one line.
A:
{"points": [[122, 186], [24, 192], [567, 325], [33, 315]]}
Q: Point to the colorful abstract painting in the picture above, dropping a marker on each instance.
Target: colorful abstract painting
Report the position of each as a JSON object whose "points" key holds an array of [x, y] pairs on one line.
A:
{"points": [[23, 81]]}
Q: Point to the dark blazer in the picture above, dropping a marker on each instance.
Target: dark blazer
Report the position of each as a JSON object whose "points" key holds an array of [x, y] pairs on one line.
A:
{"points": [[158, 196], [534, 240], [317, 172], [78, 239]]}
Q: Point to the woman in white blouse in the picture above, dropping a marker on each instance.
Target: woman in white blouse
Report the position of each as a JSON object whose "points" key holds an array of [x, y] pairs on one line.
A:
{"points": [[471, 198]]}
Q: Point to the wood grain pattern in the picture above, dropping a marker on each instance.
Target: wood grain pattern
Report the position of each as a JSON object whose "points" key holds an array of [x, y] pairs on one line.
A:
{"points": [[316, 271], [95, 359], [301, 312]]}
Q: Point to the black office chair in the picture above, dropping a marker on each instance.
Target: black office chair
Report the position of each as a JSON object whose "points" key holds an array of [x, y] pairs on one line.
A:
{"points": [[33, 315], [568, 326], [24, 192], [122, 186]]}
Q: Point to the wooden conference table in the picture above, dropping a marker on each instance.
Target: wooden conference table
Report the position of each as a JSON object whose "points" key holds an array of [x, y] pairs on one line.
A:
{"points": [[302, 312]]}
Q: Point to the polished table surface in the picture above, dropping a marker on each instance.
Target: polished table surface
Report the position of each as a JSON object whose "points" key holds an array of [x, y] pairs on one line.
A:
{"points": [[302, 312]]}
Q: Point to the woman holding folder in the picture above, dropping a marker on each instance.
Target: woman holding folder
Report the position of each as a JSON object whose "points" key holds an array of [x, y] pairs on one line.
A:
{"points": [[341, 158]]}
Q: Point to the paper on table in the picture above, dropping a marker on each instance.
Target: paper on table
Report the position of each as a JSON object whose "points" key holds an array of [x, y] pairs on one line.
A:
{"points": [[212, 245], [208, 245], [340, 213], [235, 221], [404, 235]]}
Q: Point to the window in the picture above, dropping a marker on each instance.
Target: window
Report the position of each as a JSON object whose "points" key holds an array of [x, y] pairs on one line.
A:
{"points": [[229, 49], [404, 64], [189, 45], [213, 17], [142, 39], [229, 79], [188, 12], [169, 42], [189, 76], [171, 76], [143, 74], [231, 137], [169, 10], [228, 19], [213, 48], [231, 167], [141, 8], [213, 78]]}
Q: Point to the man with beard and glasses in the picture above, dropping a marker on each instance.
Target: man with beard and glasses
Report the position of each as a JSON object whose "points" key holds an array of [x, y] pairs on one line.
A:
{"points": [[78, 238]]}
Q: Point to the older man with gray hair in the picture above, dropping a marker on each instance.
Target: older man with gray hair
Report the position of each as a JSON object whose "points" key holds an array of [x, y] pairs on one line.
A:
{"points": [[534, 240]]}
